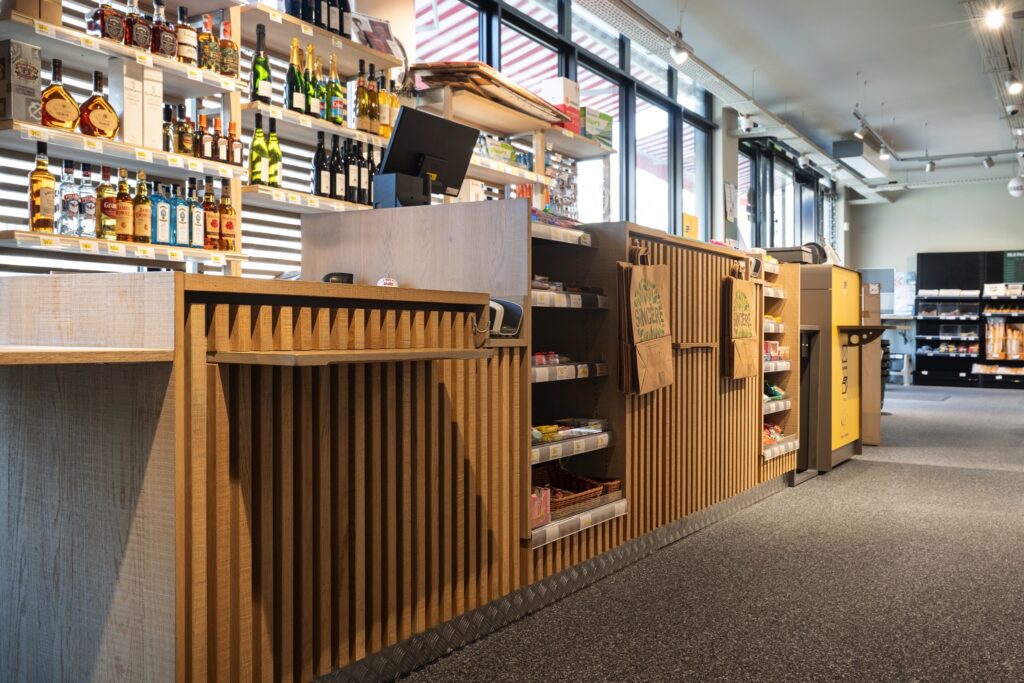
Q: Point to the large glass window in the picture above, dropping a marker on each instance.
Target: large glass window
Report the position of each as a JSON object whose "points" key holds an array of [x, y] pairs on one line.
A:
{"points": [[446, 31], [602, 95], [544, 11], [526, 61], [595, 36], [689, 94], [649, 69], [745, 201], [695, 156], [652, 177], [784, 204]]}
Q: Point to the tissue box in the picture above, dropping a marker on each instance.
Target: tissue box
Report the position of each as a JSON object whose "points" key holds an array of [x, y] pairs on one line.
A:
{"points": [[20, 85], [596, 125]]}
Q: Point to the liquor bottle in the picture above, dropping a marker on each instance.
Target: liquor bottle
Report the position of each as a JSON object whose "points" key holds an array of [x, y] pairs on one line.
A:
{"points": [[333, 16], [138, 32], [320, 169], [124, 229], [160, 228], [208, 48], [168, 129], [335, 98], [396, 105], [221, 144], [371, 172], [259, 159], [196, 217], [87, 199], [165, 36], [320, 13], [308, 10], [228, 220], [337, 170], [106, 22], [98, 118], [321, 88], [364, 186], [228, 52], [312, 86], [374, 102], [68, 201], [234, 144], [106, 198], [59, 108], [41, 193], [211, 217], [384, 108], [274, 154], [179, 209], [346, 18], [293, 8], [294, 88], [183, 133], [202, 141], [187, 37], [351, 174], [142, 211], [260, 86], [362, 102]]}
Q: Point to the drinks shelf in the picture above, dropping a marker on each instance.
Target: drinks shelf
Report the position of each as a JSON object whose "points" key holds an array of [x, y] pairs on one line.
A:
{"points": [[294, 126], [281, 28], [89, 53], [567, 371], [294, 202], [541, 299], [500, 173], [22, 136], [557, 450], [776, 366], [168, 256], [774, 293], [787, 445], [567, 526], [945, 337], [777, 406], [553, 233], [772, 327]]}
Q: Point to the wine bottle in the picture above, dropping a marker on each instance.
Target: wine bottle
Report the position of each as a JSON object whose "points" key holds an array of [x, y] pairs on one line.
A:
{"points": [[333, 16], [371, 172], [59, 108], [274, 155], [362, 100], [68, 201], [228, 220], [106, 198], [211, 217], [309, 10], [320, 169], [164, 39], [138, 32], [383, 107], [335, 94], [364, 186], [259, 160], [229, 53], [374, 102], [41, 193], [351, 174], [260, 86], [87, 198], [160, 229], [124, 227], [346, 18], [321, 14], [294, 88], [209, 49], [337, 166], [293, 8], [312, 86], [187, 37], [184, 136], [142, 211], [196, 217], [98, 118]]}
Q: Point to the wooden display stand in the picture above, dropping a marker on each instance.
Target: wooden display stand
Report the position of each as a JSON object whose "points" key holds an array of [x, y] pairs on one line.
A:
{"points": [[781, 292]]}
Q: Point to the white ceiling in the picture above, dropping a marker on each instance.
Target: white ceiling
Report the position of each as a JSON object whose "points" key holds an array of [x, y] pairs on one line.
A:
{"points": [[920, 57]]}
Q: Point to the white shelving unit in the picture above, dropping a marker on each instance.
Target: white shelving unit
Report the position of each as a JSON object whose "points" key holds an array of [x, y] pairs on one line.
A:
{"points": [[294, 202]]}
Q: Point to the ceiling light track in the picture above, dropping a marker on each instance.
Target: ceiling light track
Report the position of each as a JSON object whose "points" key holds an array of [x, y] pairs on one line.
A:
{"points": [[886, 152]]}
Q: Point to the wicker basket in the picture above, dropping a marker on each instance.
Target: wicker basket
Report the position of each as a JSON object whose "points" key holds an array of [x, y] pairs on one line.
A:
{"points": [[608, 485], [581, 488]]}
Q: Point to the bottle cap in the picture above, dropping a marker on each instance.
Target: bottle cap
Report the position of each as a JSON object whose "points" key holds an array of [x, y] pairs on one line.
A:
{"points": [[182, 14], [168, 113], [41, 148]]}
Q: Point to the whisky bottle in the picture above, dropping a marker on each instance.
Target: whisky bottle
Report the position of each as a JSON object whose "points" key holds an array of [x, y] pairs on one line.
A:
{"points": [[187, 38], [222, 147], [67, 201], [374, 103], [142, 211], [124, 227], [211, 217], [41, 193], [87, 200], [260, 86], [165, 38], [98, 118], [138, 32], [362, 102], [312, 86], [235, 144], [228, 52], [106, 22], [320, 169], [203, 142], [335, 94], [259, 159], [294, 88], [274, 154], [106, 215], [196, 218], [160, 230], [59, 108], [180, 230], [337, 167], [228, 220], [183, 133], [209, 49], [168, 128]]}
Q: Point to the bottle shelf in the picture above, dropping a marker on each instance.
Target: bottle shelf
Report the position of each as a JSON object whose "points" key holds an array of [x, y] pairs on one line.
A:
{"points": [[22, 136], [553, 233], [294, 126], [541, 299], [774, 293], [89, 53], [787, 445], [776, 366], [569, 447], [567, 371], [778, 406], [500, 173], [994, 297], [772, 327], [567, 526], [292, 201], [115, 251], [995, 314], [281, 28]]}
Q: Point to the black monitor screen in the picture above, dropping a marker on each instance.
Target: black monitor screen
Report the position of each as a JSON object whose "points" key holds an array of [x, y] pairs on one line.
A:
{"points": [[428, 145]]}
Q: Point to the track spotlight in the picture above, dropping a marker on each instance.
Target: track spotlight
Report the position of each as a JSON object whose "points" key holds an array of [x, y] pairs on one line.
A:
{"points": [[680, 51], [994, 18], [861, 132], [1014, 86], [883, 153], [987, 162], [929, 167]]}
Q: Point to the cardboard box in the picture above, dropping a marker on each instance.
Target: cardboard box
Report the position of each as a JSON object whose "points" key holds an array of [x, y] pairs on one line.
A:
{"points": [[561, 90], [27, 7], [573, 124], [51, 11], [152, 108], [597, 125], [20, 83], [124, 86]]}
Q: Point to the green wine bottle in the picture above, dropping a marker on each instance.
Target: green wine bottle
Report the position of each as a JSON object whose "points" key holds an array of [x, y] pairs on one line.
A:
{"points": [[312, 87], [335, 95], [294, 88], [259, 158], [274, 154], [260, 86]]}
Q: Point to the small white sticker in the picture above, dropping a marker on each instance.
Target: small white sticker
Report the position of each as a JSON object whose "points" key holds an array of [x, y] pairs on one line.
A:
{"points": [[49, 242], [88, 247], [563, 372], [195, 165], [175, 161], [115, 248], [543, 298], [274, 112], [92, 145], [45, 29], [144, 155], [305, 121], [88, 42], [35, 134], [227, 84], [337, 43], [193, 74], [175, 255], [225, 171], [575, 301], [579, 445], [294, 198], [555, 451], [145, 252], [586, 520], [274, 16], [307, 30], [312, 202], [602, 440], [277, 195], [217, 259], [144, 58]]}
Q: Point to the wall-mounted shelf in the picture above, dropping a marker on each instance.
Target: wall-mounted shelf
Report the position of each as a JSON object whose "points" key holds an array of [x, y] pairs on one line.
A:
{"points": [[772, 327], [771, 268], [500, 173], [294, 202], [567, 371], [321, 358], [480, 112], [540, 299], [776, 366], [553, 233], [774, 292], [860, 335], [569, 447], [778, 406], [574, 145], [946, 337], [788, 444], [81, 355], [295, 126], [114, 252], [563, 528]]}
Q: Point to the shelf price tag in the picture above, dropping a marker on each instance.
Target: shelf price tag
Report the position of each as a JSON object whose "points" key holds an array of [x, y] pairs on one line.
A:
{"points": [[534, 455], [217, 259], [175, 255], [337, 43], [227, 84], [45, 29], [88, 247], [997, 376], [225, 172], [305, 121], [49, 242], [542, 298], [35, 134], [307, 30], [195, 165], [579, 445], [88, 42], [582, 371], [277, 195], [555, 451], [115, 249], [193, 74], [313, 202], [144, 155], [575, 301], [602, 440], [144, 58], [274, 112], [586, 520], [175, 161], [145, 252], [294, 198], [92, 145], [274, 16], [563, 372]]}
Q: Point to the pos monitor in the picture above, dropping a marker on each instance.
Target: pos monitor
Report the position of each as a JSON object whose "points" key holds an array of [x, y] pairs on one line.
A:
{"points": [[426, 155]]}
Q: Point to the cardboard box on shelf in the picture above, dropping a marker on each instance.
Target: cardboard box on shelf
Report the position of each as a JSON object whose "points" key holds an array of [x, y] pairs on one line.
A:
{"points": [[125, 88], [51, 11], [29, 7], [152, 108], [596, 125], [561, 91], [20, 84], [573, 124]]}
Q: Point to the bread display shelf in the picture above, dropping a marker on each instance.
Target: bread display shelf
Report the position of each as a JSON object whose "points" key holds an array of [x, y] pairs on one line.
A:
{"points": [[772, 407]]}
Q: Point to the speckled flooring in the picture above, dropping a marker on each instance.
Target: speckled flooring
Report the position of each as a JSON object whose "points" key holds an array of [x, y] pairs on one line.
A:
{"points": [[905, 564]]}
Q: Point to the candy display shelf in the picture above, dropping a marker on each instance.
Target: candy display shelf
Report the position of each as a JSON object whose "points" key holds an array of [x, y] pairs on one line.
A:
{"points": [[776, 366], [788, 444], [772, 407], [781, 377]]}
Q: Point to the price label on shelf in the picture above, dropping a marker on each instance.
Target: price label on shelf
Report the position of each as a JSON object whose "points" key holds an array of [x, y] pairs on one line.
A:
{"points": [[49, 242], [563, 372], [542, 298], [274, 16], [88, 247], [175, 255], [275, 112], [195, 165], [579, 445], [88, 42], [144, 155], [602, 440], [294, 198], [92, 145], [582, 371], [586, 520], [534, 455], [193, 74], [145, 252], [307, 30], [227, 84], [35, 134], [44, 29], [225, 171], [217, 259], [337, 43], [305, 121], [144, 58], [313, 202], [277, 195], [555, 451], [175, 161], [575, 301]]}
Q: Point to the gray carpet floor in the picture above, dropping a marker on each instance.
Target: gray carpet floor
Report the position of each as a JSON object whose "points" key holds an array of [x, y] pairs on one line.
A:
{"points": [[905, 564]]}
